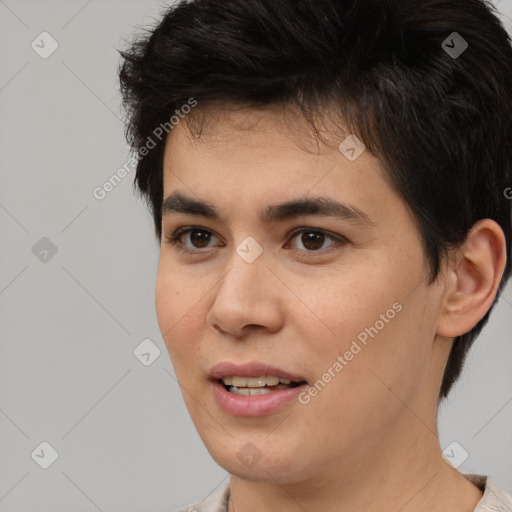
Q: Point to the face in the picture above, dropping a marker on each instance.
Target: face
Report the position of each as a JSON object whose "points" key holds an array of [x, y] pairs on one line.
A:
{"points": [[329, 289]]}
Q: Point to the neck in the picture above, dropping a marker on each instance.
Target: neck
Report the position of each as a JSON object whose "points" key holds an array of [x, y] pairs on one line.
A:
{"points": [[405, 472]]}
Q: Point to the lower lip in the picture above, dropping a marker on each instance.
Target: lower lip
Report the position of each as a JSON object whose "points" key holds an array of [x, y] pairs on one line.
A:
{"points": [[257, 405]]}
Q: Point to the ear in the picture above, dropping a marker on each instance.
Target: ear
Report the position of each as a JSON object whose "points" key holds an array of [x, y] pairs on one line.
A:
{"points": [[472, 278]]}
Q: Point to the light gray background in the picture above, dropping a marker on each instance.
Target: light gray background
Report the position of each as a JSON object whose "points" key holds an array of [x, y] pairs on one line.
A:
{"points": [[69, 326]]}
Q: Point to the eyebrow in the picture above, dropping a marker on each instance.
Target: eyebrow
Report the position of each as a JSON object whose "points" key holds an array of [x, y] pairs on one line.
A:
{"points": [[177, 202]]}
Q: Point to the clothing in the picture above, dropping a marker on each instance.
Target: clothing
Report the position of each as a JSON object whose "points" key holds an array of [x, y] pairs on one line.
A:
{"points": [[495, 499]]}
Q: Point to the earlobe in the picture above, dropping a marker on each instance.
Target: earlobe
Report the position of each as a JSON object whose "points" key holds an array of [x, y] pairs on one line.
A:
{"points": [[473, 275]]}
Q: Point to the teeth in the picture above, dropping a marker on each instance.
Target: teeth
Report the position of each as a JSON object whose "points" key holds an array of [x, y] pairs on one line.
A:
{"points": [[249, 391], [254, 382], [257, 391]]}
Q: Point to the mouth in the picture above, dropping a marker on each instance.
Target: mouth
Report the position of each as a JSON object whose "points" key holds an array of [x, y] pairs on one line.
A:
{"points": [[252, 386]]}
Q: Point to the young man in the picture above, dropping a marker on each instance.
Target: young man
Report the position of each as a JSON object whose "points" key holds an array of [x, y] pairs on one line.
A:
{"points": [[328, 182]]}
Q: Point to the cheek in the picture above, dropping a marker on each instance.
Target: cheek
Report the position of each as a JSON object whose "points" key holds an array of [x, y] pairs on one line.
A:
{"points": [[343, 310], [179, 311], [381, 332], [168, 296]]}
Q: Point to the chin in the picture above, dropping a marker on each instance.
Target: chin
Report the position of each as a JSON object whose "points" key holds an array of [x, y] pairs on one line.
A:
{"points": [[268, 465]]}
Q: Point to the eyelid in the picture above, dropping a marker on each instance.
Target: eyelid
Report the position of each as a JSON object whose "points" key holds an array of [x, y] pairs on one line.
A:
{"points": [[174, 237], [305, 229]]}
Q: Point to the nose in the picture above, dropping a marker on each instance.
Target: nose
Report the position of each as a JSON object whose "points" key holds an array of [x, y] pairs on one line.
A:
{"points": [[246, 298]]}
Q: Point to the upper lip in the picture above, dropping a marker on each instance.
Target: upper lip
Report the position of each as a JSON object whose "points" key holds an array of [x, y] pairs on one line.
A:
{"points": [[251, 369]]}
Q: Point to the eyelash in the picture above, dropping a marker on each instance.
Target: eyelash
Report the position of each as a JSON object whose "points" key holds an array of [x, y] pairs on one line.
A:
{"points": [[174, 239]]}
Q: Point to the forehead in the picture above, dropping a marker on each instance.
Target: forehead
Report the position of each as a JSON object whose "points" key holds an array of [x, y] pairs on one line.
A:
{"points": [[240, 136], [246, 157], [277, 126]]}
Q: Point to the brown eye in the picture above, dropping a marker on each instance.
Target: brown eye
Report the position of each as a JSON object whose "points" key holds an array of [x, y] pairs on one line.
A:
{"points": [[200, 238], [192, 238], [312, 241]]}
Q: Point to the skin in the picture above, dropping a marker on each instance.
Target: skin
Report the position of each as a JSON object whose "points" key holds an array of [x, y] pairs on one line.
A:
{"points": [[368, 441]]}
